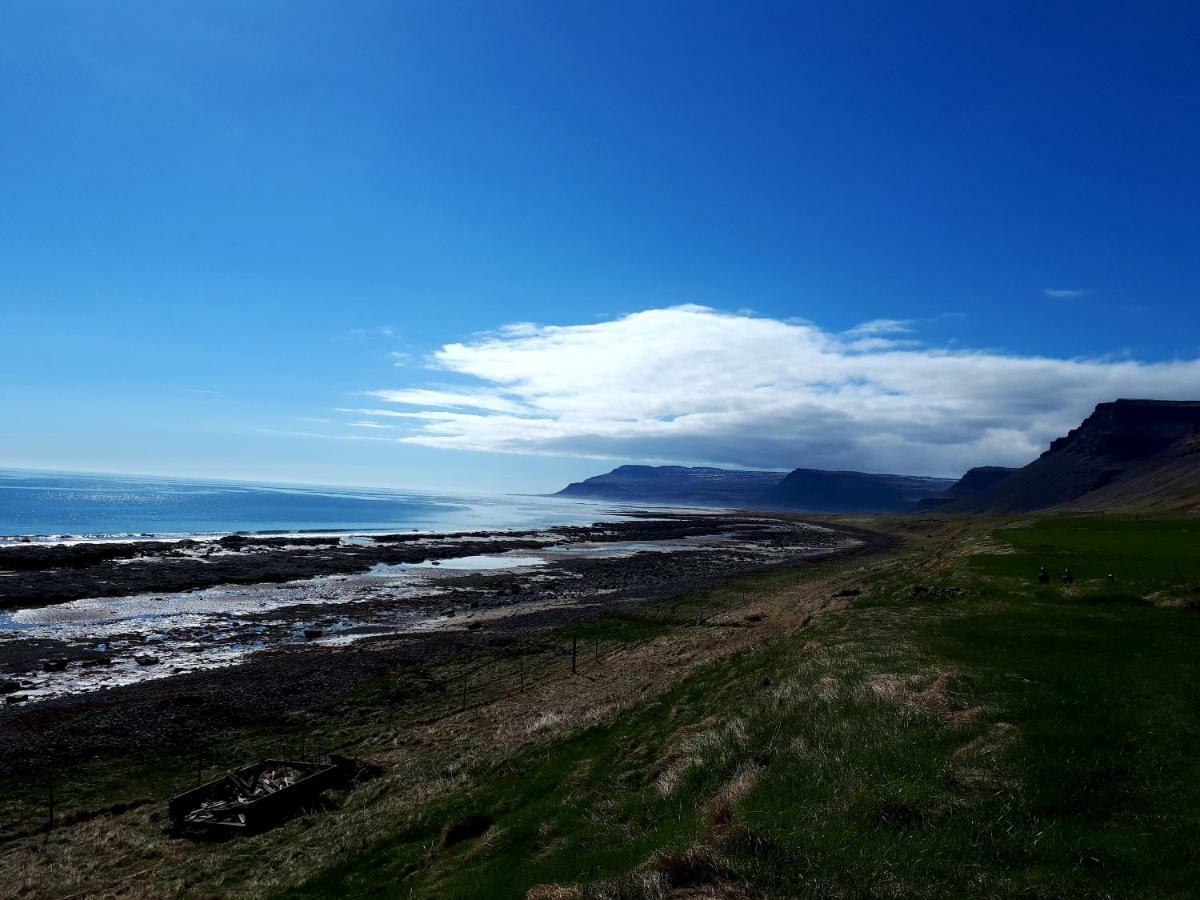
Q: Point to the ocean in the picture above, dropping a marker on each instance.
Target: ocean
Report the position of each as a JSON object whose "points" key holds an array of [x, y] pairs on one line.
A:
{"points": [[57, 506]]}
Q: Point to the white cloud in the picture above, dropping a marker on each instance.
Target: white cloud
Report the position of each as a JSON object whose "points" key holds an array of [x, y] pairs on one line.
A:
{"points": [[486, 400], [691, 384], [867, 344], [1063, 293], [881, 326]]}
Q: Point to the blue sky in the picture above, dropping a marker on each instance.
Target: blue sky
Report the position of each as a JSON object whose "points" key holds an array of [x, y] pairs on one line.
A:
{"points": [[906, 237]]}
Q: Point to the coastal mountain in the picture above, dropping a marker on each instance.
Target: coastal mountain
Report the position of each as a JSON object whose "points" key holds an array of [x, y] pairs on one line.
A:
{"points": [[1168, 483], [1128, 454], [803, 490], [977, 480], [675, 486], [820, 491]]}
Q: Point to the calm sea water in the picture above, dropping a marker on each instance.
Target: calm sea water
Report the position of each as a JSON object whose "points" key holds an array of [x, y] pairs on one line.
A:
{"points": [[52, 504]]}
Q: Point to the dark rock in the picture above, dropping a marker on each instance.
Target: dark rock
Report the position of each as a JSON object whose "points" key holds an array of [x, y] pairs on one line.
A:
{"points": [[8, 686], [145, 659], [311, 634]]}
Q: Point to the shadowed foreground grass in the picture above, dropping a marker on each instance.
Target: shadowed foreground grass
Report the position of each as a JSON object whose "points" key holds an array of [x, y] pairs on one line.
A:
{"points": [[1018, 740]]}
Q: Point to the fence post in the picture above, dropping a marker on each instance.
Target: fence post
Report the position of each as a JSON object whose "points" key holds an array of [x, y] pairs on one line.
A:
{"points": [[574, 648]]}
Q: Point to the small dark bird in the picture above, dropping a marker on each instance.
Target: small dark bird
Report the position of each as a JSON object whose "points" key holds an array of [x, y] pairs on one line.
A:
{"points": [[1043, 576], [1067, 576]]}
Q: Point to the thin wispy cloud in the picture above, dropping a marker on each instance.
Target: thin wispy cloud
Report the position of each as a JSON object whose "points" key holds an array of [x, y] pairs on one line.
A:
{"points": [[1064, 293], [693, 384], [324, 437], [881, 326], [486, 400]]}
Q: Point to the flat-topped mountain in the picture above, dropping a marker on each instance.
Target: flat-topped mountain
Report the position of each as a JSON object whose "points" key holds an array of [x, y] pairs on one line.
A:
{"points": [[803, 490], [981, 478], [977, 480], [1168, 483], [1127, 454], [820, 491], [676, 486]]}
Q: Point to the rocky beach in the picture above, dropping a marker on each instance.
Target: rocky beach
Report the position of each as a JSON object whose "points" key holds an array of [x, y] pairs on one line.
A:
{"points": [[109, 647]]}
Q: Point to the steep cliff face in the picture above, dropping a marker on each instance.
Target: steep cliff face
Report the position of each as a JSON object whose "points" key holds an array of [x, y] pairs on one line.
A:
{"points": [[819, 491], [975, 481], [981, 478], [1131, 429], [1120, 442], [675, 485], [1167, 483]]}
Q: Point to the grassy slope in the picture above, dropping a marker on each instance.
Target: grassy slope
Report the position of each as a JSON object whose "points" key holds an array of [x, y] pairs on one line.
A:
{"points": [[1019, 741]]}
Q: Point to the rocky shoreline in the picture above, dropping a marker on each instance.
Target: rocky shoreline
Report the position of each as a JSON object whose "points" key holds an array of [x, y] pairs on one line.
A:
{"points": [[348, 624]]}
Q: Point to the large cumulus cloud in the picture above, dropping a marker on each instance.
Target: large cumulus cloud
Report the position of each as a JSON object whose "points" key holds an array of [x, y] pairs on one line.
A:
{"points": [[693, 384]]}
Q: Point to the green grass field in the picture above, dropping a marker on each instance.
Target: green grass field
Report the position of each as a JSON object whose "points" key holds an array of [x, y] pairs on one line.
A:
{"points": [[1021, 741]]}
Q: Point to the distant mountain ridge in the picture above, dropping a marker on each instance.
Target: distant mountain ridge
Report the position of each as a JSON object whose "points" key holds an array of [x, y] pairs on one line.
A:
{"points": [[1135, 454], [1128, 454], [977, 480], [802, 490], [821, 491], [676, 486]]}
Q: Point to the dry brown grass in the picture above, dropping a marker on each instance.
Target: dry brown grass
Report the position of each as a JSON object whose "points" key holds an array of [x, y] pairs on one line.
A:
{"points": [[930, 691]]}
